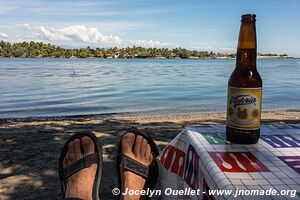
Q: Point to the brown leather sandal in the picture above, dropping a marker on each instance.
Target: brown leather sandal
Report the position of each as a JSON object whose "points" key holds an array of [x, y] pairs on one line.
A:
{"points": [[85, 162], [150, 173]]}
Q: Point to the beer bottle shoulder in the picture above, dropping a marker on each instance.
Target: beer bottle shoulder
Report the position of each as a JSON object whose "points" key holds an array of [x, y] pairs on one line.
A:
{"points": [[245, 78]]}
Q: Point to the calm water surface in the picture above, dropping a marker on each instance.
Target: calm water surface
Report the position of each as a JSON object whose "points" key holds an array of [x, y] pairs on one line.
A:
{"points": [[56, 87]]}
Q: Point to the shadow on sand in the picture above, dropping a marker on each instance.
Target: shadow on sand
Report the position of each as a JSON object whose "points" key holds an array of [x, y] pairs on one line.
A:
{"points": [[29, 151]]}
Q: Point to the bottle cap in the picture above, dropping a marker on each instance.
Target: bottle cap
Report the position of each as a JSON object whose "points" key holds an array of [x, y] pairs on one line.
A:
{"points": [[248, 18]]}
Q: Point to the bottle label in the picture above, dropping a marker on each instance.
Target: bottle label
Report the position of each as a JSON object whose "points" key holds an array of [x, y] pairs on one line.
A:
{"points": [[244, 108]]}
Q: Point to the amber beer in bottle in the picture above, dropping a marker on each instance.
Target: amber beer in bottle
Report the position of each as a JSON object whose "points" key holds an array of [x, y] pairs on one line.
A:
{"points": [[244, 89]]}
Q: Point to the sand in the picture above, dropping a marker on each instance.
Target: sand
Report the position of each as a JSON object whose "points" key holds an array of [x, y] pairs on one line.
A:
{"points": [[29, 148]]}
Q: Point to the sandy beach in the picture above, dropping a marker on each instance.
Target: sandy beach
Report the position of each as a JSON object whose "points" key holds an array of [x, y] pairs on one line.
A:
{"points": [[30, 147]]}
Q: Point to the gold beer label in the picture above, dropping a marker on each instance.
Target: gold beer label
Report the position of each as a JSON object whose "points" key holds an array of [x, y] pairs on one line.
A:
{"points": [[244, 108]]}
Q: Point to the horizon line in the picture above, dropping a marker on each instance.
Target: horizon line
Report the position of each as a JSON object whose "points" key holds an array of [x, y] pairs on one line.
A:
{"points": [[134, 46]]}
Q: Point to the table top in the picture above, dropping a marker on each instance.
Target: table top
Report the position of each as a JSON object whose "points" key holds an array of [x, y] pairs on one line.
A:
{"points": [[201, 158]]}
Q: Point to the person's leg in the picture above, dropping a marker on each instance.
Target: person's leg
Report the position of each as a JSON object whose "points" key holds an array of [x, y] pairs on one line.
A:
{"points": [[137, 148], [80, 184]]}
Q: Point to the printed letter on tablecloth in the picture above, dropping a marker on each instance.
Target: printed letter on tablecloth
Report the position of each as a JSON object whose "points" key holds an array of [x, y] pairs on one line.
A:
{"points": [[191, 173], [173, 160], [238, 162]]}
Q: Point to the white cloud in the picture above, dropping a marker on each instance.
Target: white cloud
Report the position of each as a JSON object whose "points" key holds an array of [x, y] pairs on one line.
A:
{"points": [[89, 35], [229, 49], [146, 43], [83, 35], [50, 34], [3, 35], [78, 33], [27, 26]]}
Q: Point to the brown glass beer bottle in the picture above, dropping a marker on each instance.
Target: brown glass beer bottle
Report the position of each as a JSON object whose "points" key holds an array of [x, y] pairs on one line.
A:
{"points": [[244, 89]]}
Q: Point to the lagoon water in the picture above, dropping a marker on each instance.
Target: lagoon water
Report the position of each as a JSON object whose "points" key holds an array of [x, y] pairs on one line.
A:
{"points": [[62, 87]]}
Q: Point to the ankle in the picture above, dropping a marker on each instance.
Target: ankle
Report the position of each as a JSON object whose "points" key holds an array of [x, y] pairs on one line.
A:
{"points": [[76, 190], [133, 181]]}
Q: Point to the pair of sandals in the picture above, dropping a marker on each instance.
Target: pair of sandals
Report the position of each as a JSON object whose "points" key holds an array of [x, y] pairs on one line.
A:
{"points": [[150, 173]]}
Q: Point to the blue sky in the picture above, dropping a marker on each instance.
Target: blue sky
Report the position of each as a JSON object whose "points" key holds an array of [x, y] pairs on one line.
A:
{"points": [[202, 25]]}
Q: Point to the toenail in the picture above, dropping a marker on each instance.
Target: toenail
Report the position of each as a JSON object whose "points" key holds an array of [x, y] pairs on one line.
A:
{"points": [[129, 135], [139, 137], [84, 140]]}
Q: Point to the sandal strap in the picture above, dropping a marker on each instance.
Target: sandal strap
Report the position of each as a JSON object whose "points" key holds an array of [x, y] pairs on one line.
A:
{"points": [[134, 166], [84, 162]]}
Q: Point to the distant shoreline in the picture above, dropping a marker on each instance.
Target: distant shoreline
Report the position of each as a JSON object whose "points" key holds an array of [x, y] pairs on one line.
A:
{"points": [[216, 58], [42, 50]]}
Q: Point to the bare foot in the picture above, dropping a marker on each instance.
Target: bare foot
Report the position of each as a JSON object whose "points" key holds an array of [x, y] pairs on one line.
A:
{"points": [[138, 149], [80, 184]]}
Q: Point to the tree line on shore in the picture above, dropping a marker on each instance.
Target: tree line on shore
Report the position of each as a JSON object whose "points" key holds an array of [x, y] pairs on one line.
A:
{"points": [[274, 55], [42, 50], [39, 49]]}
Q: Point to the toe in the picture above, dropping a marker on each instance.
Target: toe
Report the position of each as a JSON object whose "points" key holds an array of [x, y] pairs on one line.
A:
{"points": [[127, 143], [147, 152], [151, 158], [88, 145], [144, 147], [70, 154], [137, 145], [77, 149], [65, 162]]}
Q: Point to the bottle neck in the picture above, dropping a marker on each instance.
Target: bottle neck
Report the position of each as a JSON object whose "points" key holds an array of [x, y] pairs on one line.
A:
{"points": [[246, 50], [246, 59]]}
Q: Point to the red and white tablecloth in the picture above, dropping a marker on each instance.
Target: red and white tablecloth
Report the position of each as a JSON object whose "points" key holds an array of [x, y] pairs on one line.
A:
{"points": [[200, 159]]}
